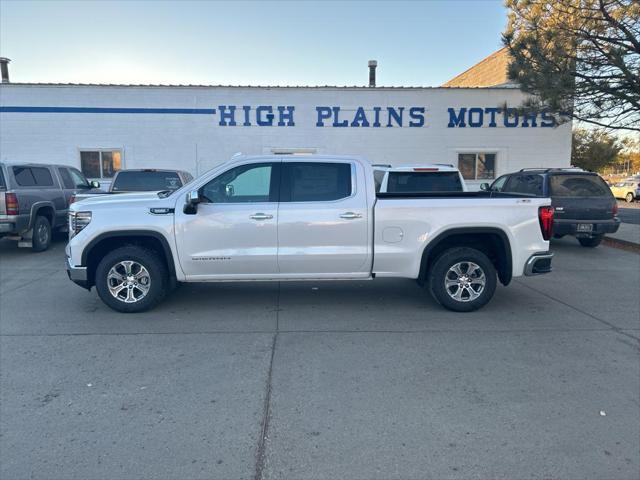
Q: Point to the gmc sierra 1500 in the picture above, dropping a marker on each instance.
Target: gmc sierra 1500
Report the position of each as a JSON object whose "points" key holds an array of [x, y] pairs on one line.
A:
{"points": [[301, 218]]}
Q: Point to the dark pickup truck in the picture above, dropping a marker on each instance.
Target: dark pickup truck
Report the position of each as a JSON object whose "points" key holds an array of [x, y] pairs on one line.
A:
{"points": [[34, 200], [584, 206]]}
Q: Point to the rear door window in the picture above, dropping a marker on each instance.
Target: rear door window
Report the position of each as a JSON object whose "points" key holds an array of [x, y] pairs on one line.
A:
{"points": [[315, 182], [418, 182], [146, 181], [578, 186]]}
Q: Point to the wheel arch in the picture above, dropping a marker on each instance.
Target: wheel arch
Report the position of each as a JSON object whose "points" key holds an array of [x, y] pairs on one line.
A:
{"points": [[492, 241], [109, 241], [46, 209]]}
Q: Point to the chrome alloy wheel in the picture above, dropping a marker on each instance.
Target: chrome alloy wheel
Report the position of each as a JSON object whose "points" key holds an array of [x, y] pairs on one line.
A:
{"points": [[465, 281], [42, 233], [128, 281]]}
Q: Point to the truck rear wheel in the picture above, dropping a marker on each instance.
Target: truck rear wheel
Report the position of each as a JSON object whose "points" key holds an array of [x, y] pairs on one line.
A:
{"points": [[131, 279], [462, 279], [591, 242], [41, 236]]}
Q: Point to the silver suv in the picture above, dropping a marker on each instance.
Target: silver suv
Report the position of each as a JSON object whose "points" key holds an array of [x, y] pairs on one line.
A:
{"points": [[34, 200]]}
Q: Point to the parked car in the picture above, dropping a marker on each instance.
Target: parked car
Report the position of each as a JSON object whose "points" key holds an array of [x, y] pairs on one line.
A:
{"points": [[584, 205], [302, 218], [628, 189], [144, 180], [418, 178], [34, 200]]}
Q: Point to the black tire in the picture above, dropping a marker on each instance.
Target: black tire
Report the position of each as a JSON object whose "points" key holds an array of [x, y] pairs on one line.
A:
{"points": [[41, 235], [591, 242], [440, 272], [158, 279], [629, 197]]}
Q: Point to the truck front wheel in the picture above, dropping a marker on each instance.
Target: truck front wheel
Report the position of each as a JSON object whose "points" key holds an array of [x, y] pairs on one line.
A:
{"points": [[462, 279], [131, 279]]}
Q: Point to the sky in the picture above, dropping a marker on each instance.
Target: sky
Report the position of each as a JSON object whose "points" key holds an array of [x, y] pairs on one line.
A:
{"points": [[416, 43]]}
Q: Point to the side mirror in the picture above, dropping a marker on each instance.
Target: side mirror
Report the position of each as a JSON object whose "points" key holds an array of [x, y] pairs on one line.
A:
{"points": [[484, 187], [229, 190], [191, 202], [94, 184]]}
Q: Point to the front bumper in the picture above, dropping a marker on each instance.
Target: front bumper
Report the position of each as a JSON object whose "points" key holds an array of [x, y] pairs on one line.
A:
{"points": [[600, 227], [77, 275], [538, 264]]}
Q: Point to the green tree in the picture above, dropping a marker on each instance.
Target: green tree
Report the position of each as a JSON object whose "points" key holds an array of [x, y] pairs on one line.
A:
{"points": [[594, 149], [580, 58]]}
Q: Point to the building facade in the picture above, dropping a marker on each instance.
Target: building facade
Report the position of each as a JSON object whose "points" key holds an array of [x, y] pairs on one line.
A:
{"points": [[103, 128]]}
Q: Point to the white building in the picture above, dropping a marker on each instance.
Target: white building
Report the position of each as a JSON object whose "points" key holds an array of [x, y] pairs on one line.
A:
{"points": [[102, 128]]}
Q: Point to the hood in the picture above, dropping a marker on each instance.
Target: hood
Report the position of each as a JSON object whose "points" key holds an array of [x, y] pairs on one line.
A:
{"points": [[122, 199]]}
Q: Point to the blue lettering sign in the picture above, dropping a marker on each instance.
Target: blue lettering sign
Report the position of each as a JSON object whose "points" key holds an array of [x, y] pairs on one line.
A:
{"points": [[547, 119], [417, 116], [247, 111], [224, 115], [260, 120], [288, 116], [529, 119], [456, 120], [360, 119], [492, 112], [324, 113], [336, 114], [376, 116], [395, 115], [511, 117], [478, 121]]}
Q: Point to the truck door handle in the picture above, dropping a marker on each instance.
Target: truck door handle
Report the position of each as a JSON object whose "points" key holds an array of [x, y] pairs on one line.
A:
{"points": [[350, 215], [261, 216]]}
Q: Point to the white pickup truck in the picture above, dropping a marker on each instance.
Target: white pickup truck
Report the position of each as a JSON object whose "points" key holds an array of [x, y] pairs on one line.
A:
{"points": [[304, 218]]}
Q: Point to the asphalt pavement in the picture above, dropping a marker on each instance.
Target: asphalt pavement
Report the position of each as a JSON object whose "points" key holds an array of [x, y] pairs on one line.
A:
{"points": [[629, 213], [335, 380]]}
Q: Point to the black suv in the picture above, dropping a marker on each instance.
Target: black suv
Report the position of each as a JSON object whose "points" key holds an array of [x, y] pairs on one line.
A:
{"points": [[584, 205]]}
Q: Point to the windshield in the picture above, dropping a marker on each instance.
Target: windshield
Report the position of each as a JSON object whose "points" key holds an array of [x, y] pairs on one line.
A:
{"points": [[578, 186], [418, 182], [146, 181]]}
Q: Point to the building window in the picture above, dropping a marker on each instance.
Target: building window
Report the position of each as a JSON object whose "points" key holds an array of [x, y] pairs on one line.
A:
{"points": [[477, 166], [100, 163]]}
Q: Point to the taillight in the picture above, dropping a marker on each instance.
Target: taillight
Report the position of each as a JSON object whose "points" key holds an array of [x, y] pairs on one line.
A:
{"points": [[615, 209], [11, 203], [545, 216]]}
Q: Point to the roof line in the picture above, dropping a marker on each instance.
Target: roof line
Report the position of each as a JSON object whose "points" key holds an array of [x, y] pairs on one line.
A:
{"points": [[334, 87]]}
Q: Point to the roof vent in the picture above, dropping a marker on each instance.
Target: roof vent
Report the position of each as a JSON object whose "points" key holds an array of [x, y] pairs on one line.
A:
{"points": [[372, 73], [4, 69]]}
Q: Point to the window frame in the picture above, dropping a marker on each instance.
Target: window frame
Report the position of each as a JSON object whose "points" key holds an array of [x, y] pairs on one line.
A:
{"points": [[274, 184], [476, 153], [100, 151], [352, 171]]}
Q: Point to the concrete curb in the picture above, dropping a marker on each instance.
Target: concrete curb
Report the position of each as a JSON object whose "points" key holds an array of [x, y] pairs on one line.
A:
{"points": [[621, 244]]}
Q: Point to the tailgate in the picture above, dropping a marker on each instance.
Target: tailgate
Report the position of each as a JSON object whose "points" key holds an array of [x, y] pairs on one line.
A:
{"points": [[583, 208]]}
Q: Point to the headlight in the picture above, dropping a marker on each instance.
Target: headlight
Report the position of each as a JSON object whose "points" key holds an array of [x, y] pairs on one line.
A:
{"points": [[77, 221]]}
